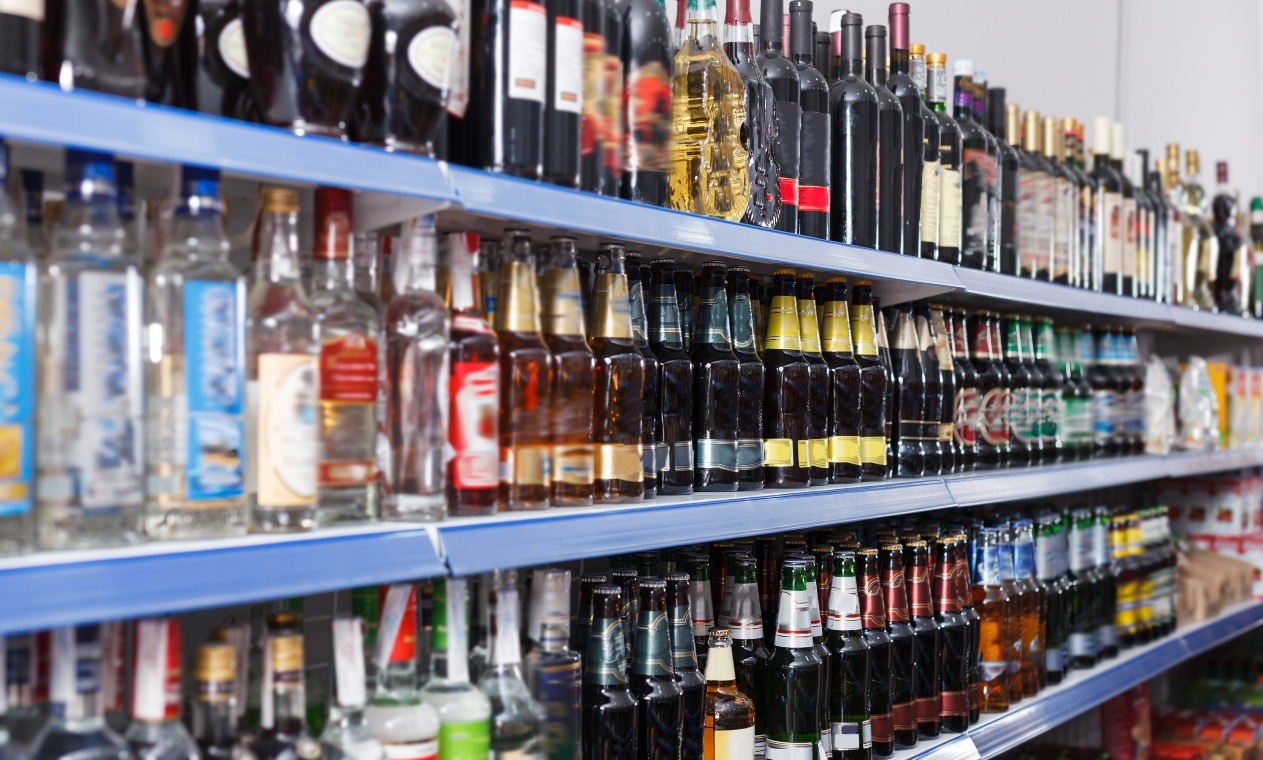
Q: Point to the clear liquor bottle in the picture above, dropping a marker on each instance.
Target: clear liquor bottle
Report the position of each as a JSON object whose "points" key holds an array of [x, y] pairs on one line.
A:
{"points": [[659, 709], [91, 459], [763, 172], [716, 387], [670, 331], [573, 369], [18, 282], [347, 726], [553, 671], [684, 662], [517, 719], [76, 726], [609, 709], [464, 711], [349, 331], [406, 726], [215, 705], [729, 713], [618, 416], [283, 720], [196, 427], [473, 473], [155, 732], [417, 352], [525, 440], [750, 381]]}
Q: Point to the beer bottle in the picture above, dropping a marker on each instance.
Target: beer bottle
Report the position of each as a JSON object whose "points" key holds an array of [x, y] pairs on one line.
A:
{"points": [[750, 387], [909, 397], [1107, 597], [583, 620], [473, 384], [903, 660], [684, 658], [619, 382], [1053, 380], [730, 714], [574, 370], [1006, 380], [659, 699], [1037, 414], [1076, 397], [1022, 444], [817, 646], [749, 653], [793, 670], [1084, 601], [873, 382], [785, 446], [759, 307], [882, 328], [847, 666], [992, 425], [716, 383], [927, 637], [637, 280], [1134, 373], [931, 409], [880, 658], [701, 608], [824, 573], [1034, 595], [968, 401], [673, 423], [626, 577], [817, 382], [844, 384], [769, 584], [972, 620], [1047, 530], [955, 664], [994, 608], [1105, 397], [525, 381], [941, 332], [1017, 601], [682, 281], [609, 709]]}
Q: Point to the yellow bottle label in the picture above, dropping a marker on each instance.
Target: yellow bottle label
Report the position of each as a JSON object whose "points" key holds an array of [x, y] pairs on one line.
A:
{"points": [[862, 332], [837, 327], [286, 440], [946, 431], [778, 452], [782, 325], [804, 452], [517, 303], [619, 461], [563, 302], [613, 307], [819, 449], [808, 326], [873, 449], [526, 465], [845, 449]]}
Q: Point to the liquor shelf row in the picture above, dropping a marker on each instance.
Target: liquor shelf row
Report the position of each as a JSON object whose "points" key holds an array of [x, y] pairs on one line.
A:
{"points": [[1086, 689], [42, 113], [51, 589]]}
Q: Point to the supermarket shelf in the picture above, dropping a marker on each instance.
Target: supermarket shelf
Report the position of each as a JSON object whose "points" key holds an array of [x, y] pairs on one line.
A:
{"points": [[993, 285], [988, 488], [51, 589], [1224, 323]]}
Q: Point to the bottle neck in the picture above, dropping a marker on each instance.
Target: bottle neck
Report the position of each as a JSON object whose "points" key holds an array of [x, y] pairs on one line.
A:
{"points": [[837, 328], [215, 715], [712, 318], [664, 312], [720, 671], [843, 612], [873, 605], [334, 274], [745, 617], [613, 318], [414, 260], [278, 260], [793, 619], [899, 61], [450, 658]]}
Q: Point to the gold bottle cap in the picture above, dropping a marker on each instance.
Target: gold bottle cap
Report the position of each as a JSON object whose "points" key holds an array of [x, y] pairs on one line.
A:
{"points": [[784, 270], [916, 50], [863, 283], [1030, 131], [1173, 151], [836, 281], [280, 200], [915, 544], [287, 654], [216, 662], [1048, 137], [1013, 124], [936, 59], [1193, 162], [867, 552]]}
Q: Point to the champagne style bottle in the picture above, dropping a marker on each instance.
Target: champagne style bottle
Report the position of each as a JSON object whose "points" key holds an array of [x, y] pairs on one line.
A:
{"points": [[890, 144], [854, 125], [750, 382], [764, 173], [844, 412], [782, 76], [673, 423], [880, 663], [818, 382], [716, 387], [786, 390], [814, 160], [874, 381], [905, 90]]}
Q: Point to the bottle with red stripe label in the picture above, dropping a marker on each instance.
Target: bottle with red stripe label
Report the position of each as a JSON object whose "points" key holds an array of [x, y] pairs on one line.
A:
{"points": [[903, 653], [156, 731], [873, 617], [814, 147], [406, 727], [347, 728], [782, 75]]}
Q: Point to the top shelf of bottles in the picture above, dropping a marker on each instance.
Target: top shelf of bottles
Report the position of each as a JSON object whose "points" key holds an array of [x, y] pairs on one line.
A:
{"points": [[42, 113]]}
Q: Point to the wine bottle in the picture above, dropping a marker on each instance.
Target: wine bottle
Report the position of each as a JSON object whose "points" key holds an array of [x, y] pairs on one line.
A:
{"points": [[170, 52], [975, 169], [906, 92], [814, 164], [223, 71], [931, 167], [647, 65], [853, 122], [1005, 125], [889, 144], [564, 91], [782, 75], [950, 150]]}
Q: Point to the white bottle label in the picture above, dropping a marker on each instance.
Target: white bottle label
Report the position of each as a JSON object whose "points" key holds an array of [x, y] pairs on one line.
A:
{"points": [[1129, 237], [846, 736], [528, 48], [342, 31], [568, 65], [232, 48], [348, 662], [735, 744], [422, 750], [949, 208], [288, 438], [778, 750], [431, 54], [32, 9]]}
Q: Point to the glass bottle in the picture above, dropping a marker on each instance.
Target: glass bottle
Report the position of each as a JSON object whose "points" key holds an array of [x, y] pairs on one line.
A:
{"points": [[1024, 443], [818, 396], [889, 143], [881, 659], [647, 67], [902, 85], [347, 727], [1005, 124], [155, 732], [782, 76], [793, 671], [407, 727], [222, 86], [853, 123], [94, 47], [950, 156], [750, 381], [1047, 570], [750, 654], [991, 255], [525, 440], [1107, 596], [955, 663], [975, 223], [881, 327], [609, 709], [553, 671], [815, 165], [417, 351], [992, 444], [1052, 414], [701, 604], [927, 638], [763, 172], [638, 276], [716, 387], [18, 281], [659, 708], [349, 330], [215, 707], [904, 668], [1129, 214], [673, 421], [283, 723], [1018, 599], [847, 666], [1064, 234], [564, 96], [844, 412], [620, 379], [942, 337], [76, 724], [583, 620], [817, 633], [1106, 397], [90, 457], [785, 443], [729, 713], [910, 394], [1076, 393], [964, 549], [464, 712], [874, 381], [306, 67], [1034, 607], [932, 393], [1084, 602], [968, 401], [994, 608], [517, 719], [599, 159], [1109, 208], [684, 663]]}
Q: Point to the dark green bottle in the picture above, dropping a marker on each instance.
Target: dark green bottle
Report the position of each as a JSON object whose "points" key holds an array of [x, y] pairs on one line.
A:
{"points": [[659, 708], [716, 384], [684, 659], [609, 709], [750, 383], [749, 653], [583, 621], [793, 671], [673, 423], [851, 730]]}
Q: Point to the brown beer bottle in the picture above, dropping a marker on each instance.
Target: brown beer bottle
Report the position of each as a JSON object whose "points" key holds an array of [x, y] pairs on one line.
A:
{"points": [[785, 443], [873, 383], [844, 384]]}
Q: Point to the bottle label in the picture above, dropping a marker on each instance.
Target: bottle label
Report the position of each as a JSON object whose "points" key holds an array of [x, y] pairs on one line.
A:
{"points": [[526, 465], [574, 464], [883, 727], [846, 735], [1111, 226], [528, 48], [560, 686], [904, 716], [782, 750], [1066, 229], [760, 745], [862, 333], [465, 741], [473, 429], [844, 449], [287, 435], [813, 188], [1020, 422], [156, 686], [929, 709], [32, 9], [653, 650], [949, 208], [818, 450], [793, 620], [873, 449], [968, 409], [592, 133], [609, 665], [342, 30], [1082, 645], [734, 744], [1107, 636], [716, 454], [778, 452], [992, 417], [1104, 415], [568, 65], [749, 454], [232, 48], [930, 180], [1053, 416], [348, 375], [431, 54], [1129, 237], [782, 327], [648, 113], [955, 703], [422, 750], [17, 386], [619, 461], [804, 453], [786, 149], [1077, 421]]}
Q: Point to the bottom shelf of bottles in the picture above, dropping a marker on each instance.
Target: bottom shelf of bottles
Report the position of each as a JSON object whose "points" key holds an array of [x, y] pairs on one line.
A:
{"points": [[1084, 689]]}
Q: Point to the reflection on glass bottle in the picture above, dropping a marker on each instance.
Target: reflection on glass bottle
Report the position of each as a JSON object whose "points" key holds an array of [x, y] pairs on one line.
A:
{"points": [[793, 670], [95, 46], [782, 76], [750, 383], [647, 67], [552, 669], [517, 719], [889, 144], [843, 389], [673, 421], [223, 71]]}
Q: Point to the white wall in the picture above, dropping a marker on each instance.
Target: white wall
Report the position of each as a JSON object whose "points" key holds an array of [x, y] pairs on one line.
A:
{"points": [[1170, 70]]}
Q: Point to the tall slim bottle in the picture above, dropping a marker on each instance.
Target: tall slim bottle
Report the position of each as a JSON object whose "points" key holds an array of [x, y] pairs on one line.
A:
{"points": [[659, 699], [609, 709], [1084, 601], [750, 382], [1024, 443], [847, 665], [818, 382], [793, 671], [881, 659], [976, 170], [955, 673], [464, 712], [508, 83], [927, 202], [874, 381], [763, 171], [927, 638], [890, 144], [1129, 216], [1005, 125], [647, 65], [909, 397], [552, 670], [564, 91], [932, 394], [951, 151], [782, 76], [814, 183], [968, 402], [991, 261], [684, 663], [730, 714], [1107, 598], [417, 352], [215, 707], [844, 413], [573, 370], [701, 603], [853, 122], [618, 413], [1034, 204], [638, 278], [526, 380], [941, 332], [197, 336], [992, 442], [90, 409], [1111, 234], [716, 387], [673, 422], [1065, 229], [906, 92], [785, 398], [904, 668]]}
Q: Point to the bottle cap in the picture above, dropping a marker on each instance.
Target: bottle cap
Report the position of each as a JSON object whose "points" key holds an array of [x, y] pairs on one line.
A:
{"points": [[280, 200], [1116, 141], [916, 50], [898, 20], [936, 59], [1101, 135], [963, 67]]}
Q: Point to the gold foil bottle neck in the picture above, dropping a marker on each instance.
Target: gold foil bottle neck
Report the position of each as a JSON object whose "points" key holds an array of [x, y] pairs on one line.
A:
{"points": [[916, 50], [936, 59], [1048, 137], [1013, 124], [563, 302], [1030, 131], [837, 327], [216, 663], [613, 307], [1192, 162], [517, 303], [280, 200], [287, 654]]}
